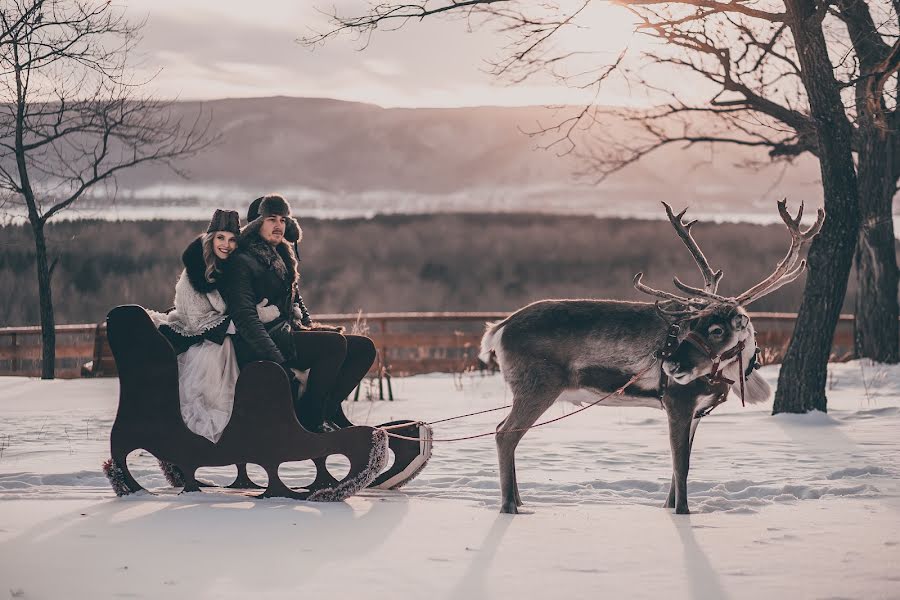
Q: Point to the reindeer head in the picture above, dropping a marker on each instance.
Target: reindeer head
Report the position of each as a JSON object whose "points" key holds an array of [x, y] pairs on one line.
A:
{"points": [[715, 330], [708, 340]]}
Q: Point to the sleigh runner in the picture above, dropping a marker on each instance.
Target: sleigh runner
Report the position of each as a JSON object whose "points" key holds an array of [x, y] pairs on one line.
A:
{"points": [[263, 429]]}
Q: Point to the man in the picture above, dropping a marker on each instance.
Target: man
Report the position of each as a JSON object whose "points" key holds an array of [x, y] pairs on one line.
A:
{"points": [[265, 267], [292, 234]]}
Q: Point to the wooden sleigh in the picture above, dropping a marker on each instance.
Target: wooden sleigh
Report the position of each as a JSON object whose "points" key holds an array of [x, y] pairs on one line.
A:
{"points": [[263, 429]]}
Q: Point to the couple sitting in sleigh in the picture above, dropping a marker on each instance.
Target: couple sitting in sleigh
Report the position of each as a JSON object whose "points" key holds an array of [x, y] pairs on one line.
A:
{"points": [[238, 301]]}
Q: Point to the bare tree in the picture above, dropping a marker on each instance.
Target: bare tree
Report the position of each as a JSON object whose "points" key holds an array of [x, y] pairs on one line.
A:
{"points": [[71, 118], [789, 76], [762, 99]]}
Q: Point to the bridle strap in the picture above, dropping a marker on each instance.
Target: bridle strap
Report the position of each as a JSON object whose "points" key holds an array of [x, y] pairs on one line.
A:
{"points": [[736, 350], [714, 376], [668, 349], [700, 344], [717, 360]]}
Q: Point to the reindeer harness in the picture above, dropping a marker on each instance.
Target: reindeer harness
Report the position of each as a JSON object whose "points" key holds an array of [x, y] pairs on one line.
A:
{"points": [[713, 377]]}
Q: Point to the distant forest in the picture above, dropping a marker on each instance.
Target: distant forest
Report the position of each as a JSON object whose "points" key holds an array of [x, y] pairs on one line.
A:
{"points": [[442, 262]]}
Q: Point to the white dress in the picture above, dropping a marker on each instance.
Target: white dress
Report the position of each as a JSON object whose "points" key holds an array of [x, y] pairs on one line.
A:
{"points": [[207, 372]]}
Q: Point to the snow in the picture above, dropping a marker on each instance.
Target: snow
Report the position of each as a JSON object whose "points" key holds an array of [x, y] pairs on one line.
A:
{"points": [[791, 506]]}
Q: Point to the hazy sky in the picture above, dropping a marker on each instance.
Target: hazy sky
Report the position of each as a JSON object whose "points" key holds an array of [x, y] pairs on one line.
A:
{"points": [[225, 48]]}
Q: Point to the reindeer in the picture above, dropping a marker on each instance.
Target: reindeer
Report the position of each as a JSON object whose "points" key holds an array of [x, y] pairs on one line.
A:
{"points": [[682, 353]]}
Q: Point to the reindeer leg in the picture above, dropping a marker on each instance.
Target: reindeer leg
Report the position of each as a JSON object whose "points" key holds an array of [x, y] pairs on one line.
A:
{"points": [[680, 416], [506, 455], [670, 499], [525, 412], [518, 498]]}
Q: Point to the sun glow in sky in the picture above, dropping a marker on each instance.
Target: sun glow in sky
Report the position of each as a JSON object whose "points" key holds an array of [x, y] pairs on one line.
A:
{"points": [[207, 49]]}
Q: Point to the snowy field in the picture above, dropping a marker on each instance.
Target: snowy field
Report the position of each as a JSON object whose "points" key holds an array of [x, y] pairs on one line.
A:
{"points": [[783, 507]]}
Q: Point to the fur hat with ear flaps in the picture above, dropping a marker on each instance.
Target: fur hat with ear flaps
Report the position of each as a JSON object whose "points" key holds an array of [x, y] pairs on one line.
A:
{"points": [[274, 204], [281, 258]]}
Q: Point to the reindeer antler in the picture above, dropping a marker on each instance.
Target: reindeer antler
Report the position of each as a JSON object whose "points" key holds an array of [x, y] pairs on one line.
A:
{"points": [[701, 300], [710, 278], [639, 286], [788, 269]]}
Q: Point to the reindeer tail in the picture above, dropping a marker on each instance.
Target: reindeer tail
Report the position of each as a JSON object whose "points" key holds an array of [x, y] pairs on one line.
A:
{"points": [[490, 341]]}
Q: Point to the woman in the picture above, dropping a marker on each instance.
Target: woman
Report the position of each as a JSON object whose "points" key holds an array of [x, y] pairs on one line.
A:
{"points": [[199, 329]]}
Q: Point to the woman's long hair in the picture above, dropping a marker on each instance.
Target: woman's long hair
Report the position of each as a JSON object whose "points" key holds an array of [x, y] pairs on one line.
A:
{"points": [[213, 262]]}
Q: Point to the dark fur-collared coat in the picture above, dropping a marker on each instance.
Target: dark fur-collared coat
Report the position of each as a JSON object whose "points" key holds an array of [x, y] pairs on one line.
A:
{"points": [[258, 270]]}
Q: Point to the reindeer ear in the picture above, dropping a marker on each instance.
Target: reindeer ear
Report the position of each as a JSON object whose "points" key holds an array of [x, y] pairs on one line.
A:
{"points": [[740, 321]]}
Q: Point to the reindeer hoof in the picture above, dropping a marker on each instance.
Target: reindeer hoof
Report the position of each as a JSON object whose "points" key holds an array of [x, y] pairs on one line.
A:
{"points": [[509, 508], [682, 510]]}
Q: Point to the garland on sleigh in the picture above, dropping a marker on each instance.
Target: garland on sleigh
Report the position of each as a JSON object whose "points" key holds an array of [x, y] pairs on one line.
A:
{"points": [[116, 476], [172, 473], [378, 457]]}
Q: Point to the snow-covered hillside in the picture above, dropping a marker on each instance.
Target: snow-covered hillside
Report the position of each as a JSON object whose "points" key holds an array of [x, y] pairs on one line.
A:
{"points": [[784, 507]]}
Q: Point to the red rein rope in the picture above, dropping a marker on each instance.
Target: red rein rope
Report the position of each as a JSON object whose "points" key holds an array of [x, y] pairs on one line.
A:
{"points": [[547, 422], [716, 358]]}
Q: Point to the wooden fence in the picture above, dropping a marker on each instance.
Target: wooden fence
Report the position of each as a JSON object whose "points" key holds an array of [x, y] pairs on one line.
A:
{"points": [[408, 343]]}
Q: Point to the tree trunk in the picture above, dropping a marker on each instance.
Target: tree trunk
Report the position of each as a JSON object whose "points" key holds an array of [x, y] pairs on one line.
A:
{"points": [[48, 323], [803, 376], [877, 330], [804, 371]]}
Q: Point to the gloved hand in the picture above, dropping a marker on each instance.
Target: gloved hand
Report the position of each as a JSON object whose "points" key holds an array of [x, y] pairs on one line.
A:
{"points": [[297, 313], [267, 313]]}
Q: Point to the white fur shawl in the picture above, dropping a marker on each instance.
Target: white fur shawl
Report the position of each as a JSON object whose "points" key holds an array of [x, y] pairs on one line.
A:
{"points": [[195, 312]]}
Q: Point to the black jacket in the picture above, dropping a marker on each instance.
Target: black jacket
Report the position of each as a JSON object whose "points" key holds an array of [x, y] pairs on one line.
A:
{"points": [[254, 272]]}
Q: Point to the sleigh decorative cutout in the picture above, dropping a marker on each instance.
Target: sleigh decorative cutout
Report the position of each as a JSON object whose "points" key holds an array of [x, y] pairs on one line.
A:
{"points": [[263, 429]]}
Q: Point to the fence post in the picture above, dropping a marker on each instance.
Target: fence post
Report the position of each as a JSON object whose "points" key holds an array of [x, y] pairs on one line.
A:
{"points": [[15, 362], [384, 362]]}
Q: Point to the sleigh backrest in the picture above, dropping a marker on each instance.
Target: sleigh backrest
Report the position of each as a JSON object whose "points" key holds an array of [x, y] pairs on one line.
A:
{"points": [[147, 366]]}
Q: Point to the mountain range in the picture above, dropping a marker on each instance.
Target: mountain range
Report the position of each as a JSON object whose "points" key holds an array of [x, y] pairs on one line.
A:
{"points": [[346, 156]]}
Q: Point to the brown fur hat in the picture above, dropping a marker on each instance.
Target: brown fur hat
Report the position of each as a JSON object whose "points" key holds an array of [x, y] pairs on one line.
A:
{"points": [[275, 204]]}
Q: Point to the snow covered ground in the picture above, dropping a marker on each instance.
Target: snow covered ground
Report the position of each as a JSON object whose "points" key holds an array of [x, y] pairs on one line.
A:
{"points": [[783, 507]]}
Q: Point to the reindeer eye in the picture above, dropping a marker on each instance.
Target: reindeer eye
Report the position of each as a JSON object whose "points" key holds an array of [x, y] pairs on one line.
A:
{"points": [[716, 330]]}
